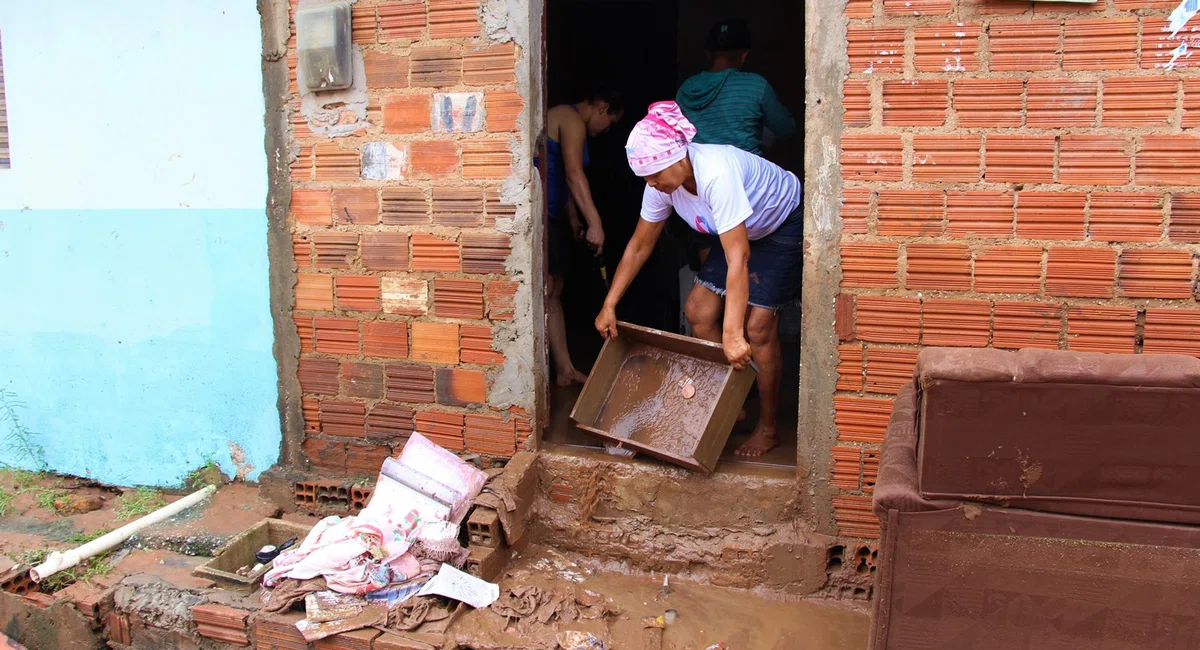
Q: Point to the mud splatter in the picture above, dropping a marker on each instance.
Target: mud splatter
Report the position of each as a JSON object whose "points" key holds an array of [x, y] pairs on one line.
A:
{"points": [[1031, 473], [238, 456]]}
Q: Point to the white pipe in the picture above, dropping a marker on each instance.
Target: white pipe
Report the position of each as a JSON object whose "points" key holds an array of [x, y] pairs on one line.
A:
{"points": [[60, 561]]}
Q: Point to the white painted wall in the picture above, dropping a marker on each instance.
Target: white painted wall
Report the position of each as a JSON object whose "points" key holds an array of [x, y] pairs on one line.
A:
{"points": [[133, 104]]}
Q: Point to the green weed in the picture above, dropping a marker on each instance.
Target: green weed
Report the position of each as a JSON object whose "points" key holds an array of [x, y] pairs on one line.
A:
{"points": [[31, 557], [46, 498], [141, 501], [20, 440], [84, 538], [6, 499]]}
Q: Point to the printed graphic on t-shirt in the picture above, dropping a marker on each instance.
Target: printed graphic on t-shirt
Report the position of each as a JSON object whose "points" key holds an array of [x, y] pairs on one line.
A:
{"points": [[704, 226]]}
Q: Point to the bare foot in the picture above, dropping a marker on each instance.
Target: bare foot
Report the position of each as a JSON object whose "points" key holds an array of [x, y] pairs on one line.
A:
{"points": [[760, 442], [565, 379]]}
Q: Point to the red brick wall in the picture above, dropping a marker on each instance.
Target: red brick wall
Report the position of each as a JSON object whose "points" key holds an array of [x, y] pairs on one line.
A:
{"points": [[1016, 175], [400, 282]]}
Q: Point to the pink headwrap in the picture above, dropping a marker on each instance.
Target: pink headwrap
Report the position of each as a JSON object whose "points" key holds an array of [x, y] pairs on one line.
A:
{"points": [[659, 140]]}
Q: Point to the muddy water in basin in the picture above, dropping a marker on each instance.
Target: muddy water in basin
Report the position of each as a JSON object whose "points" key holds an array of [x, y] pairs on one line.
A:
{"points": [[646, 402]]}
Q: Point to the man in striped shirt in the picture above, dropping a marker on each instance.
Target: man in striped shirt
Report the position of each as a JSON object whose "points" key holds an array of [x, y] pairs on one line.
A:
{"points": [[729, 106]]}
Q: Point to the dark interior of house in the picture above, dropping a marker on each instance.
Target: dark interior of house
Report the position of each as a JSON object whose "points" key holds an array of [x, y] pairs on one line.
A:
{"points": [[646, 49]]}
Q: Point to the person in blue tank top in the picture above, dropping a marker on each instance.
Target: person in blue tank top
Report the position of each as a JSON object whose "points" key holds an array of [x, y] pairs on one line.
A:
{"points": [[572, 211]]}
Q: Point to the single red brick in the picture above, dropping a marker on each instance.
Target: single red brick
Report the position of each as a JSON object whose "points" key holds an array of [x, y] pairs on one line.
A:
{"points": [[1057, 103], [915, 103], [334, 248], [407, 113], [872, 158], [1093, 160], [1093, 329], [947, 47], [453, 18], [435, 342], [980, 214], [1050, 215], [490, 434], [945, 267], [343, 419], [325, 454], [503, 109], [988, 103], [870, 264], [302, 250], [337, 335], [875, 49], [390, 422], [946, 158], [445, 429], [388, 339], [861, 419], [1152, 273], [1172, 331], [1185, 218], [407, 382], [477, 346], [401, 20], [435, 66], [994, 7], [1191, 100], [854, 516], [491, 65], [856, 99], [312, 207], [430, 253], [1019, 159], [457, 298], [910, 213], [1081, 272], [859, 8], [358, 292], [385, 70], [1167, 160], [1009, 269], [314, 292], [306, 333], [856, 209], [362, 24], [364, 459], [888, 320], [843, 316], [889, 369], [405, 296], [363, 380], [459, 387], [1140, 101], [310, 408], [461, 207], [916, 7], [482, 253], [501, 296], [433, 158], [385, 251], [1101, 44], [335, 163], [850, 367], [486, 160], [1026, 325], [319, 376], [404, 206], [956, 323], [1125, 216], [1024, 45], [1159, 47]]}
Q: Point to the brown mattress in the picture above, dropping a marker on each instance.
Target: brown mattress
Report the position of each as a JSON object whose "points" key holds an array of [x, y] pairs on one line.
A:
{"points": [[1076, 433], [964, 576]]}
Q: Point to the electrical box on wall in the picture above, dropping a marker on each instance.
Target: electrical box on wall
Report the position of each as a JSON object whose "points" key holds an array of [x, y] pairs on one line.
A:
{"points": [[323, 47]]}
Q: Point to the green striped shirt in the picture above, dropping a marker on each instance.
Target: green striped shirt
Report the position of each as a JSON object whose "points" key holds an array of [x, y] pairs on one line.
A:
{"points": [[731, 107]]}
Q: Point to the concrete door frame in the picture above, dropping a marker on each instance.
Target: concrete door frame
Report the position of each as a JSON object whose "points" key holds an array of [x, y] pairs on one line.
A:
{"points": [[826, 65]]}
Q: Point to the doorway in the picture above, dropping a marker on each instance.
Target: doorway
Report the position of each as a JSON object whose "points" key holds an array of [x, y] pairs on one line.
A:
{"points": [[647, 48]]}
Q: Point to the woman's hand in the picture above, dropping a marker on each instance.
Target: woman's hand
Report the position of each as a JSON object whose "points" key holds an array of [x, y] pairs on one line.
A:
{"points": [[595, 238], [737, 351], [606, 323]]}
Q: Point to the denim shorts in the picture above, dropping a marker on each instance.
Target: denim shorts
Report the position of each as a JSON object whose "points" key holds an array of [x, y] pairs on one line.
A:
{"points": [[776, 265]]}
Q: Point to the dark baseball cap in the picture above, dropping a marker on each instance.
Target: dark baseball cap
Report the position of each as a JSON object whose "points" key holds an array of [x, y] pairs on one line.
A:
{"points": [[729, 35]]}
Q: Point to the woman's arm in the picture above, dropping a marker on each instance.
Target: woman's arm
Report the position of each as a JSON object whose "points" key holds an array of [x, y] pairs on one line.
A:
{"points": [[573, 134], [637, 251], [737, 296]]}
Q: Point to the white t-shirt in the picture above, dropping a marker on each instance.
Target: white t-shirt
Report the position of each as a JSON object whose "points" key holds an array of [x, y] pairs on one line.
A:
{"points": [[734, 187]]}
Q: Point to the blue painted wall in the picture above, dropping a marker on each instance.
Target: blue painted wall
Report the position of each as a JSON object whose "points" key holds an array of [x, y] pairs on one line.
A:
{"points": [[134, 305]]}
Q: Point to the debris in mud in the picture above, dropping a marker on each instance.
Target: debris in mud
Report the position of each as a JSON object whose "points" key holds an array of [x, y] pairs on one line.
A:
{"points": [[579, 641], [529, 603]]}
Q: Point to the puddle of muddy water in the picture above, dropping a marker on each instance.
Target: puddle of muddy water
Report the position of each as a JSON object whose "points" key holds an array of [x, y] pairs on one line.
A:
{"points": [[646, 402]]}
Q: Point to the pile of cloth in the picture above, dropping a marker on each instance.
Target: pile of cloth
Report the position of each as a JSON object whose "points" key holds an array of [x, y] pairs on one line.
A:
{"points": [[368, 570]]}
